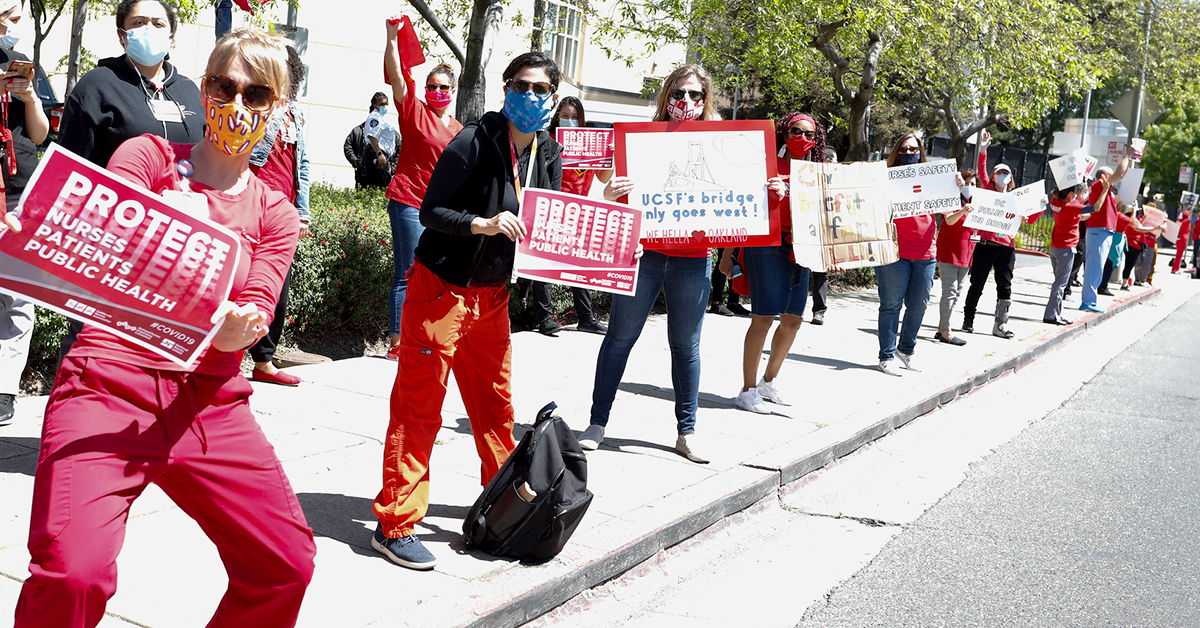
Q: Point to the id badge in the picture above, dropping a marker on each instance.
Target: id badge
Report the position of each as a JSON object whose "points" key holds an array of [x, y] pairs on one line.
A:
{"points": [[191, 203], [975, 237], [166, 111]]}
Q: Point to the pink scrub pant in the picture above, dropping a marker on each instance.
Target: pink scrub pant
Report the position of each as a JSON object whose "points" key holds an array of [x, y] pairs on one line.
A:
{"points": [[110, 430]]}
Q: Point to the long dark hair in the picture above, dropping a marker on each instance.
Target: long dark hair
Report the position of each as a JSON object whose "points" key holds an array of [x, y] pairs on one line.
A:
{"points": [[568, 101], [896, 149], [781, 129]]}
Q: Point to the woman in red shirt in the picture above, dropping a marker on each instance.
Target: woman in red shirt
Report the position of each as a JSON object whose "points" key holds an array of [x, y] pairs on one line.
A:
{"points": [[955, 245], [1181, 240], [1067, 207], [425, 130], [907, 281], [121, 417]]}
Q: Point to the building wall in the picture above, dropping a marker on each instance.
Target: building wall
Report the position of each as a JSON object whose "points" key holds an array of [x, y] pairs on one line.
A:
{"points": [[345, 58]]}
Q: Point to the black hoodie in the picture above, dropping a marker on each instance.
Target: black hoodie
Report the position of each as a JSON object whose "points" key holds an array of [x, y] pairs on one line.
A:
{"points": [[111, 104]]}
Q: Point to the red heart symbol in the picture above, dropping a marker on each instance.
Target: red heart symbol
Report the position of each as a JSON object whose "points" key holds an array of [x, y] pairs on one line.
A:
{"points": [[698, 235]]}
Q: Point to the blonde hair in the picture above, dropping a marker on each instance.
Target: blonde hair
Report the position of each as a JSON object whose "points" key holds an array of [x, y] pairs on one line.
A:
{"points": [[680, 73], [265, 55]]}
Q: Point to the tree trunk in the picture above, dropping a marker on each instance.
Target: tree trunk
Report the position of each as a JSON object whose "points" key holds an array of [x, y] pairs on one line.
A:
{"points": [[481, 37], [860, 141], [858, 101], [41, 27], [77, 21]]}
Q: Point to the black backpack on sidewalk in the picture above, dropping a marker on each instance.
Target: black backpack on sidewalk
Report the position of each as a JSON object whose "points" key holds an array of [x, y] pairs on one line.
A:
{"points": [[537, 499]]}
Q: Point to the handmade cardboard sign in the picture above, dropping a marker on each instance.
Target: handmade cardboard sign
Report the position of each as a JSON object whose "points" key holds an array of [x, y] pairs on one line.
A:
{"points": [[842, 215], [922, 189], [578, 241], [700, 184], [99, 249], [1073, 168], [586, 149]]}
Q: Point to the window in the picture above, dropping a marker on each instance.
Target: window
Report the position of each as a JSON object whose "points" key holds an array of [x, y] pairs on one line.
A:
{"points": [[561, 26]]}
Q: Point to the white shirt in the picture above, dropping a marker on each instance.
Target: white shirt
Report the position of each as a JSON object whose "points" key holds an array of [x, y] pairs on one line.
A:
{"points": [[385, 134]]}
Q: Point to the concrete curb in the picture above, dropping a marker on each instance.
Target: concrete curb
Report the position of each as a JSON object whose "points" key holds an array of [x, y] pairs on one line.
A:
{"points": [[827, 448]]}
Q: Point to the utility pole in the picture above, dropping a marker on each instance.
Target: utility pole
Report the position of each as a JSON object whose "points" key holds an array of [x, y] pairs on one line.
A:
{"points": [[1087, 113], [1139, 91], [224, 23], [291, 18]]}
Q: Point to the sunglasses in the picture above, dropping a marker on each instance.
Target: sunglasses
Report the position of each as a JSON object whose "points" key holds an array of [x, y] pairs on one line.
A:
{"points": [[696, 96], [910, 149], [521, 86], [437, 88], [221, 90], [797, 132]]}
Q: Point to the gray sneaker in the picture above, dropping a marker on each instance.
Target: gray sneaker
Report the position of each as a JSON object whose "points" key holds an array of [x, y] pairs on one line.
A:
{"points": [[886, 367], [684, 444], [406, 551], [591, 438], [907, 360]]}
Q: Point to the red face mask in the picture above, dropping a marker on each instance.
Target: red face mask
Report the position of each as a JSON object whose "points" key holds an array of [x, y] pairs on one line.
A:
{"points": [[438, 99], [800, 146]]}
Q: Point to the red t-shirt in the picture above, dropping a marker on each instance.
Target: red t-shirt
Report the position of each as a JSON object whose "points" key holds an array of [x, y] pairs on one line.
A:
{"points": [[954, 245], [423, 137], [1135, 238], [1106, 215], [577, 181], [1122, 223], [270, 227], [279, 170], [1196, 227], [915, 237], [1066, 224]]}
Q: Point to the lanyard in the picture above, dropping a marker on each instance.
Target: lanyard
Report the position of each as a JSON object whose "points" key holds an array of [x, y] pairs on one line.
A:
{"points": [[7, 136], [512, 146]]}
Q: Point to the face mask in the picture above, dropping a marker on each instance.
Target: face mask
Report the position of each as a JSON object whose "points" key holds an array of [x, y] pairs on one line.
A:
{"points": [[528, 112], [382, 111], [800, 146], [907, 159], [438, 99], [568, 122], [9, 39], [1003, 179], [965, 192], [147, 45], [685, 109], [233, 128]]}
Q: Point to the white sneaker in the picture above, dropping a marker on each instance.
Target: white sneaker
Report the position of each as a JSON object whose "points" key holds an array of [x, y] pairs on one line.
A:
{"points": [[684, 444], [768, 392], [886, 366], [907, 360], [751, 401], [591, 438]]}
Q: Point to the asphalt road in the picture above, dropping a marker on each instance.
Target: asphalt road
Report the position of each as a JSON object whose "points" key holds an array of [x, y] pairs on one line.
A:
{"points": [[1087, 518]]}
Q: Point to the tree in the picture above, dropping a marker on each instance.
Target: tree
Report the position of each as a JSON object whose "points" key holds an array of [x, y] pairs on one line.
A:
{"points": [[482, 26], [44, 13], [78, 19], [1172, 142]]}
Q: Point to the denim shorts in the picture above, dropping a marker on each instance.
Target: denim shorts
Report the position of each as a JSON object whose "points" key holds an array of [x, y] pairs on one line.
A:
{"points": [[777, 284]]}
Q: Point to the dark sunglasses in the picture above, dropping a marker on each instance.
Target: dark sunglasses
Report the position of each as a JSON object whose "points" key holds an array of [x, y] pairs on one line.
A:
{"points": [[437, 88], [797, 132], [521, 86], [221, 90], [696, 96], [910, 149]]}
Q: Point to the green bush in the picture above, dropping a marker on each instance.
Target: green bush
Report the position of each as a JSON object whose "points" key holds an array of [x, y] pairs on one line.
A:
{"points": [[48, 332]]}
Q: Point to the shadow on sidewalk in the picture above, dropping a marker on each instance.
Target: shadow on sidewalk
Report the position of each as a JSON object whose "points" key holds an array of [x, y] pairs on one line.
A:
{"points": [[23, 463], [706, 401], [833, 363]]}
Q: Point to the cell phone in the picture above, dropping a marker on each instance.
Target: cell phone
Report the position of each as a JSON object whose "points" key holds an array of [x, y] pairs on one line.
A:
{"points": [[22, 68]]}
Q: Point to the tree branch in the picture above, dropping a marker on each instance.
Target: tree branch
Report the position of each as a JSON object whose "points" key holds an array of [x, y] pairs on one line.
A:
{"points": [[440, 28], [823, 43]]}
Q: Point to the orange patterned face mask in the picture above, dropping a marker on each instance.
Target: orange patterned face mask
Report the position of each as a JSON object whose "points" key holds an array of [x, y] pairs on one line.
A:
{"points": [[233, 128]]}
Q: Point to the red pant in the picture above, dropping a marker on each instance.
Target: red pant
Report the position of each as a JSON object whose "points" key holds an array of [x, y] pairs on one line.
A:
{"points": [[444, 327], [110, 430], [1180, 247]]}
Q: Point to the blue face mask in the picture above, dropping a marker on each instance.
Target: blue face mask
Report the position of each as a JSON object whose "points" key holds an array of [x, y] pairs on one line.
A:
{"points": [[147, 45], [9, 39], [568, 122], [1003, 179], [383, 111], [907, 159], [528, 112]]}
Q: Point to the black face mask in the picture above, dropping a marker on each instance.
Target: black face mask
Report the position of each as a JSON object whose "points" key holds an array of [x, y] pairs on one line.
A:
{"points": [[907, 159]]}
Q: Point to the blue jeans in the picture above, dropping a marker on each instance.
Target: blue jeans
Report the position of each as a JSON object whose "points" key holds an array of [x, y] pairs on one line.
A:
{"points": [[904, 282], [1097, 242], [406, 231], [777, 284], [686, 283]]}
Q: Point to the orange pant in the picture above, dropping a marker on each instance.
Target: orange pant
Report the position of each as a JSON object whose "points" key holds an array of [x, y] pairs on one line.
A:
{"points": [[442, 322]]}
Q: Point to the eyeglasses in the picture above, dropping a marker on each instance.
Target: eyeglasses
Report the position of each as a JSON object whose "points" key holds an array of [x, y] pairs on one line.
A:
{"points": [[432, 87], [221, 90], [797, 132], [521, 86], [910, 149], [678, 94]]}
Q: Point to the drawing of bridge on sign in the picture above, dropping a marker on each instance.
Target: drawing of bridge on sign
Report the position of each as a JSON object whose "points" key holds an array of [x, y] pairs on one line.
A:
{"points": [[694, 176]]}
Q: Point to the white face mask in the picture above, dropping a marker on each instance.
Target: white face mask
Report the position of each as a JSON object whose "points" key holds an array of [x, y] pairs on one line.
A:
{"points": [[13, 35]]}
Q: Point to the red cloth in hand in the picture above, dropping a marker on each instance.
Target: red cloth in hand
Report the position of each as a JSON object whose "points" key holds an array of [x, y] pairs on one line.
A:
{"points": [[409, 47]]}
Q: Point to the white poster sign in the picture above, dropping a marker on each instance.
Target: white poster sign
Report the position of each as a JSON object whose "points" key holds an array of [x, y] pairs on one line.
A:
{"points": [[1188, 200], [993, 212], [922, 189], [1128, 187], [1029, 200], [1072, 169]]}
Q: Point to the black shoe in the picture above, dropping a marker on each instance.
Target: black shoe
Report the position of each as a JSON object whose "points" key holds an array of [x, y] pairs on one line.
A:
{"points": [[1125, 288], [1138, 284], [592, 327], [951, 340], [737, 310], [548, 327], [7, 408], [968, 327], [1066, 293], [1106, 292], [818, 318], [1056, 321], [1076, 283], [719, 308]]}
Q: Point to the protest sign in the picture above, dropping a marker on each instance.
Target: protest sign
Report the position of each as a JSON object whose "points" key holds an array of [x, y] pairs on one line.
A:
{"points": [[993, 211], [1030, 199], [842, 215], [922, 189], [1172, 233], [1188, 200], [1152, 217], [700, 183], [1130, 185], [585, 148], [1073, 168], [1138, 148], [578, 241], [99, 249]]}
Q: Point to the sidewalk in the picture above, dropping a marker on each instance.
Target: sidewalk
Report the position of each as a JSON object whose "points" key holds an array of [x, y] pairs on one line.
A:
{"points": [[328, 432]]}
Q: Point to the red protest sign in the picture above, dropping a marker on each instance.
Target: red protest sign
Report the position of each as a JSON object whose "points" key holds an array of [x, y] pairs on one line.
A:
{"points": [[99, 249], [578, 241], [586, 149]]}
